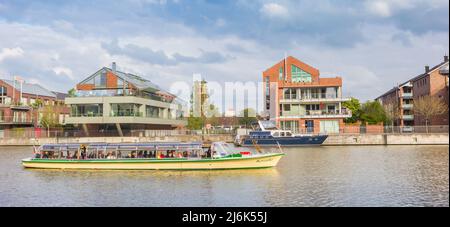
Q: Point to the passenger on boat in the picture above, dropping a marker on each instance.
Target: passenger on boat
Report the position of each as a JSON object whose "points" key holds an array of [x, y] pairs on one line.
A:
{"points": [[145, 154], [45, 155], [110, 156], [76, 155]]}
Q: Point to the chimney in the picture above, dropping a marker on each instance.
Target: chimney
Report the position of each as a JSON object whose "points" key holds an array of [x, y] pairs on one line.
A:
{"points": [[445, 58], [113, 67], [427, 69]]}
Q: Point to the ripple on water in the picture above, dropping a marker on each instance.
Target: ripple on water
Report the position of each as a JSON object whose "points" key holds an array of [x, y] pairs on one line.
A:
{"points": [[318, 176]]}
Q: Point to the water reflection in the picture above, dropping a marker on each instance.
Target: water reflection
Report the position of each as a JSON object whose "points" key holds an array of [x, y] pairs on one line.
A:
{"points": [[319, 176]]}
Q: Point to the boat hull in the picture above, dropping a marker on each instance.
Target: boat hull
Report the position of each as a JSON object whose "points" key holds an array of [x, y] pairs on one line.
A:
{"points": [[263, 161], [314, 140]]}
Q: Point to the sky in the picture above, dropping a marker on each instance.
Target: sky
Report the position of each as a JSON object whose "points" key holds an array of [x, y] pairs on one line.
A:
{"points": [[373, 45]]}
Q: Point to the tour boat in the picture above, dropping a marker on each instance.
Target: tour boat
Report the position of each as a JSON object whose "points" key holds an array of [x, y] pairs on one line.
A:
{"points": [[267, 134], [150, 156]]}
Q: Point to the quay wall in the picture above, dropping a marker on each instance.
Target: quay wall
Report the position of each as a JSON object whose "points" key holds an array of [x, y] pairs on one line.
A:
{"points": [[340, 139]]}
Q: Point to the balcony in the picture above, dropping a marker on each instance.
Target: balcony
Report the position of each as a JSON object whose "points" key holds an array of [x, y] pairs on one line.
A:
{"points": [[320, 114], [314, 98], [10, 120], [86, 114], [126, 114], [407, 106], [119, 92], [408, 117], [407, 95]]}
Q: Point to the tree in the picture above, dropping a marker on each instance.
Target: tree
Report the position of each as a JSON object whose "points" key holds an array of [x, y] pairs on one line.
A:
{"points": [[48, 119], [247, 116], [72, 92], [37, 104], [195, 123], [355, 107], [428, 107], [372, 112], [392, 112]]}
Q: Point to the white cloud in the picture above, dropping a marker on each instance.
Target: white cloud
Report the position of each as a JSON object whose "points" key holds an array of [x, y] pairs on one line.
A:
{"points": [[387, 8], [64, 71], [10, 53], [379, 8], [274, 10]]}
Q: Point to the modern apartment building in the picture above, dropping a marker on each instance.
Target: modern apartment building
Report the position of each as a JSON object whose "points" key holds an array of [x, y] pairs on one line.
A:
{"points": [[117, 101], [23, 104], [298, 99], [432, 82]]}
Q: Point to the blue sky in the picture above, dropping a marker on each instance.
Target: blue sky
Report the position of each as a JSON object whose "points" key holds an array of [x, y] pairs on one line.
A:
{"points": [[372, 44]]}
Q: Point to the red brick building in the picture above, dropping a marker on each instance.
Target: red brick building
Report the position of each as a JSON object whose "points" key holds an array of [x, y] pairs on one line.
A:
{"points": [[298, 99], [24, 104], [432, 82]]}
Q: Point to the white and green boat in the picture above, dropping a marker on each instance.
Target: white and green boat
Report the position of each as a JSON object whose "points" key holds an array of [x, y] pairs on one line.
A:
{"points": [[149, 156]]}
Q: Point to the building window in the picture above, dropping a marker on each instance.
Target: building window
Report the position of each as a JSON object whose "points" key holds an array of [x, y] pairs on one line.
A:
{"points": [[98, 80], [3, 91], [290, 93], [298, 75], [280, 73], [125, 110], [87, 110], [151, 111], [287, 107], [290, 125], [119, 83]]}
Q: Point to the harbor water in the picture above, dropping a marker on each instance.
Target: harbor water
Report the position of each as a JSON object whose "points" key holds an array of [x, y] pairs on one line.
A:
{"points": [[314, 176]]}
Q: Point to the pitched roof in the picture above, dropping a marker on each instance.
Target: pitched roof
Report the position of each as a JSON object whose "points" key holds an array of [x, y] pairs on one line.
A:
{"points": [[137, 81], [388, 92], [29, 88], [426, 73], [440, 65], [60, 95]]}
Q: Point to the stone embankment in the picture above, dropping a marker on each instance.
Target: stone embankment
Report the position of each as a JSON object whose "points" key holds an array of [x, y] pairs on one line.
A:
{"points": [[342, 139]]}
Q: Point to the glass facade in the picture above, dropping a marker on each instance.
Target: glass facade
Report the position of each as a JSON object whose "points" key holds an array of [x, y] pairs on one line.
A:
{"points": [[125, 110], [298, 75], [86, 110], [154, 112], [329, 126], [98, 80]]}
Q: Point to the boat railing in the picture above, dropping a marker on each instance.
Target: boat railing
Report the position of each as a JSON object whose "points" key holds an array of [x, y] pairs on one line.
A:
{"points": [[117, 151]]}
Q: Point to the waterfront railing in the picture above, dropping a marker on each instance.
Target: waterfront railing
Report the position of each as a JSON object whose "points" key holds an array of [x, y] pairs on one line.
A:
{"points": [[30, 132]]}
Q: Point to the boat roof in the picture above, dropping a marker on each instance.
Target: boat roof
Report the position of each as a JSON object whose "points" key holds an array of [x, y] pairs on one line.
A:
{"points": [[267, 125], [173, 145]]}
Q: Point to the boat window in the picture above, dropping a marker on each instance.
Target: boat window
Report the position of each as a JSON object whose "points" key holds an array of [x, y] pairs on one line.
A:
{"points": [[282, 133], [288, 134], [276, 134]]}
